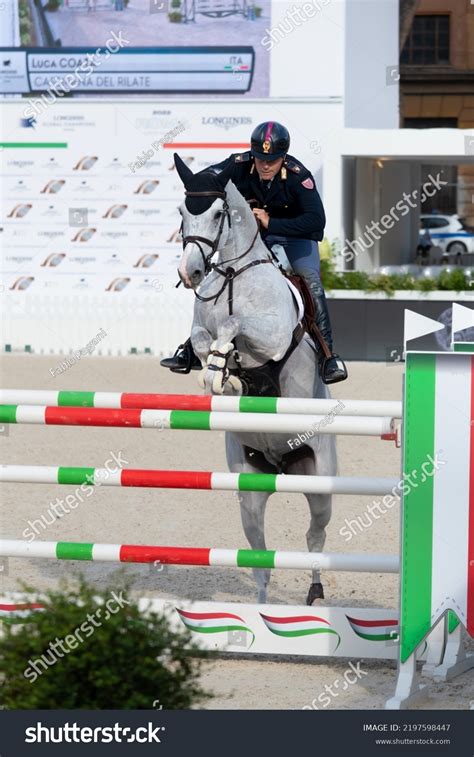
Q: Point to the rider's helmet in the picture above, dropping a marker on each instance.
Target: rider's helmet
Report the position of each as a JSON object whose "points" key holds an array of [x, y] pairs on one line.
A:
{"points": [[269, 141]]}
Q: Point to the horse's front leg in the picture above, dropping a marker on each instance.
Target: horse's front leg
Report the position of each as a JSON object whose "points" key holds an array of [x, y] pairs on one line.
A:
{"points": [[215, 377], [201, 340]]}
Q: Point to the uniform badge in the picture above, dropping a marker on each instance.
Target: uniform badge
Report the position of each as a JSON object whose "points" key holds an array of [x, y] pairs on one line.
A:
{"points": [[283, 172], [308, 183], [238, 158], [266, 146]]}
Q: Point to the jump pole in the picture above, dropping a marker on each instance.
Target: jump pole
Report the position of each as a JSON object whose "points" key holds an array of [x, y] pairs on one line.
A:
{"points": [[199, 420], [169, 479], [125, 400], [203, 556]]}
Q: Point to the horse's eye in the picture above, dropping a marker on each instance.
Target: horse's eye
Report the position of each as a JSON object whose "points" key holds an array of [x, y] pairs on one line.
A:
{"points": [[217, 214]]}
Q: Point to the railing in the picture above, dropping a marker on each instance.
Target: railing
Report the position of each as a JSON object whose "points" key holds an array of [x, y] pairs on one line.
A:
{"points": [[54, 324], [49, 39]]}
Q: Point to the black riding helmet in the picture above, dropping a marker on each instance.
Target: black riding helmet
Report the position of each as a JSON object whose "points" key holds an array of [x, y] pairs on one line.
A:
{"points": [[269, 141]]}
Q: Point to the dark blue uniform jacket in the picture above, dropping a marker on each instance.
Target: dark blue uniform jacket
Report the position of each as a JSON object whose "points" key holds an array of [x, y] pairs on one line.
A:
{"points": [[292, 201]]}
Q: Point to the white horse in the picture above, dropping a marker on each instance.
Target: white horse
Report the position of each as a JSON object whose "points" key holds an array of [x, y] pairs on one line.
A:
{"points": [[244, 319]]}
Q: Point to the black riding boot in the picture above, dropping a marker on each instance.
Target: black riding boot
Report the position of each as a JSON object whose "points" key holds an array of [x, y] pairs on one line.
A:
{"points": [[332, 371], [184, 359]]}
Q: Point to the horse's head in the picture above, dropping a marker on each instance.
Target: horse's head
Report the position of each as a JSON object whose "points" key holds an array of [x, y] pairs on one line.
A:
{"points": [[205, 220]]}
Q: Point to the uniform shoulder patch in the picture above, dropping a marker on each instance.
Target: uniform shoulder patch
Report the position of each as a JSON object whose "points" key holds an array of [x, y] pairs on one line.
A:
{"points": [[308, 183], [294, 167], [242, 156]]}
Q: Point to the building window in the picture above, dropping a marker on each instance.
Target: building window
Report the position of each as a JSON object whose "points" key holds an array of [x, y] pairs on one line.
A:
{"points": [[444, 199], [428, 42]]}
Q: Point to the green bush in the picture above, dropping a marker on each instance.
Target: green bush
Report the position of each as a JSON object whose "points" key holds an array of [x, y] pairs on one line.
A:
{"points": [[376, 282], [175, 17], [25, 26], [128, 661], [427, 285], [455, 280]]}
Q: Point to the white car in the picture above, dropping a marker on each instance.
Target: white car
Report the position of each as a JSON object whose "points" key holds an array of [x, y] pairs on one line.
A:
{"points": [[450, 233]]}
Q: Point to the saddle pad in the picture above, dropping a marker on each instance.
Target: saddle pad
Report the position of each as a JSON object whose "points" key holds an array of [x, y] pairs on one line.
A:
{"points": [[298, 299]]}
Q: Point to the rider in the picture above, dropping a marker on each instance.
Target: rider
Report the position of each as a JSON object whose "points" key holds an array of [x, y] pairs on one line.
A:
{"points": [[285, 201]]}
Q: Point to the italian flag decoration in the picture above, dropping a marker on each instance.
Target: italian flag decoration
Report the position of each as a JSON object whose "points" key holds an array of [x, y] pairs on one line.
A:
{"points": [[292, 626], [375, 630], [437, 572], [214, 622]]}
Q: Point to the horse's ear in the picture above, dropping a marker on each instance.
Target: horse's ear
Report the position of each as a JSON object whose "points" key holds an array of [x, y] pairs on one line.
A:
{"points": [[224, 176], [184, 172]]}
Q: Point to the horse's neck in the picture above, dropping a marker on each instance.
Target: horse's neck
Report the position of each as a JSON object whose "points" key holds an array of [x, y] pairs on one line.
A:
{"points": [[243, 233]]}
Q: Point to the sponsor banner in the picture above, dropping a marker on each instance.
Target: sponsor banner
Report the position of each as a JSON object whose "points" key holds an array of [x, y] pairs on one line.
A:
{"points": [[90, 192]]}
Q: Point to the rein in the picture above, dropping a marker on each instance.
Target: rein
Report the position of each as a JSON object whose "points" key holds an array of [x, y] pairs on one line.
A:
{"points": [[228, 273]]}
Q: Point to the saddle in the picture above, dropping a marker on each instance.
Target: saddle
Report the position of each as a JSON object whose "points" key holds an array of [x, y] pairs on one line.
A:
{"points": [[264, 381], [309, 317]]}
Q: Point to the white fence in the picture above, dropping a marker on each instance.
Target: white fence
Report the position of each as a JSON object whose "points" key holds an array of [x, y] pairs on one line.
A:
{"points": [[50, 324]]}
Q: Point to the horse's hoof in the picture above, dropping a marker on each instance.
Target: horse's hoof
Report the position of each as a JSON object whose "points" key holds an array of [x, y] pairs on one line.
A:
{"points": [[316, 591]]}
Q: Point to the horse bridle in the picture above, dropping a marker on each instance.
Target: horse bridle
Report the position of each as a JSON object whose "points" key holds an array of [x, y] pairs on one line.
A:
{"points": [[229, 273], [212, 243]]}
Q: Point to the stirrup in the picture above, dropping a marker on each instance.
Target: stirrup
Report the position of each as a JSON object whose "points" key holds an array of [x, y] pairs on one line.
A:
{"points": [[339, 375], [184, 354]]}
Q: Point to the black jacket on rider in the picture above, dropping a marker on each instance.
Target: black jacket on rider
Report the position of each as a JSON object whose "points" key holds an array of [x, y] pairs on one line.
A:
{"points": [[291, 200]]}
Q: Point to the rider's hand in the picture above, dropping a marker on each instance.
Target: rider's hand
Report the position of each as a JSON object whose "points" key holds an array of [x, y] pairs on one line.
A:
{"points": [[262, 216]]}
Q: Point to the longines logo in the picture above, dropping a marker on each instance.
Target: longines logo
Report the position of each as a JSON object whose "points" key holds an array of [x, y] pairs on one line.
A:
{"points": [[226, 122]]}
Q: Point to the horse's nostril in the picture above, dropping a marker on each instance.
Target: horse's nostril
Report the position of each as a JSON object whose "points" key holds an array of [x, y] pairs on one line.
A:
{"points": [[196, 273]]}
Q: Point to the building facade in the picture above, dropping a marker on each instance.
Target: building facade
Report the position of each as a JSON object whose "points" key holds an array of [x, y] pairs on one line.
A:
{"points": [[437, 81]]}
